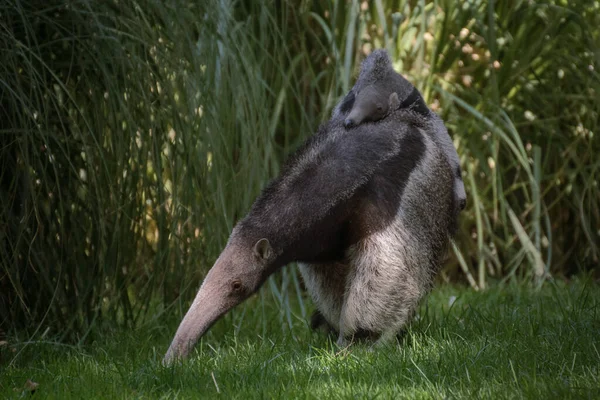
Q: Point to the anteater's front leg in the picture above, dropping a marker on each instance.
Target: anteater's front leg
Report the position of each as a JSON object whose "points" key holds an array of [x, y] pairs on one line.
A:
{"points": [[326, 284]]}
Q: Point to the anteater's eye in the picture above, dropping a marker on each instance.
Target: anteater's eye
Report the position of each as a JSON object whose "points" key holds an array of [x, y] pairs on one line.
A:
{"points": [[379, 107], [236, 286]]}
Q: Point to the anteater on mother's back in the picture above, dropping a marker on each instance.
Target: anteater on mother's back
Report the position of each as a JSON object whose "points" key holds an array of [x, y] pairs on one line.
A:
{"points": [[368, 213]]}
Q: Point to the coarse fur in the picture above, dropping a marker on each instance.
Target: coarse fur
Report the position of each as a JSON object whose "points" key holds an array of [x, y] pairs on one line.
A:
{"points": [[321, 191], [376, 70], [366, 102], [388, 272], [366, 214], [371, 105]]}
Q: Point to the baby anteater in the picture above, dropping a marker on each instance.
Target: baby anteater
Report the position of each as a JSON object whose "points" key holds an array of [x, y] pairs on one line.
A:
{"points": [[380, 90]]}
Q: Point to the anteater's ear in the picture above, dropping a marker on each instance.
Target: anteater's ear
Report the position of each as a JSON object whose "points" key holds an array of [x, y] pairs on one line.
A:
{"points": [[263, 250]]}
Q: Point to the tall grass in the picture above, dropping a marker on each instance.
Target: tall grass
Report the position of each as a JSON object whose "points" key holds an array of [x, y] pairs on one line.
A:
{"points": [[135, 134]]}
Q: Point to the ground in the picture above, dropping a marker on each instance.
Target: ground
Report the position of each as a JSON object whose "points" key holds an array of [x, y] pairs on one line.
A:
{"points": [[510, 341]]}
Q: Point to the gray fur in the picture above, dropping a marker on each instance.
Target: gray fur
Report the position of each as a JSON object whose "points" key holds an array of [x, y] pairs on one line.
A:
{"points": [[367, 215], [390, 270], [376, 70], [366, 102], [371, 104]]}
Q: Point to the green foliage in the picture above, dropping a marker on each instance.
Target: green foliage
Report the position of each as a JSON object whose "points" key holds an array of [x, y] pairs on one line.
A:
{"points": [[526, 114], [134, 135], [507, 342]]}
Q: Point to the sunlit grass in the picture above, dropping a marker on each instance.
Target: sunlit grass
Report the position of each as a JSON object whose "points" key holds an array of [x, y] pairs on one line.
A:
{"points": [[507, 342]]}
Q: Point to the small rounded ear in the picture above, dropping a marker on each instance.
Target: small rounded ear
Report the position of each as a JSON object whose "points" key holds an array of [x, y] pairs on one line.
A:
{"points": [[263, 250], [394, 102]]}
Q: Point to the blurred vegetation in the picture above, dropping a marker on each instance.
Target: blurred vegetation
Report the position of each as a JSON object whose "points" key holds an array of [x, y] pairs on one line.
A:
{"points": [[133, 135]]}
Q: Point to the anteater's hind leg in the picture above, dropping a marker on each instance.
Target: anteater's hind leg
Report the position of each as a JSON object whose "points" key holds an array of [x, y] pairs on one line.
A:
{"points": [[326, 284], [318, 322], [384, 288]]}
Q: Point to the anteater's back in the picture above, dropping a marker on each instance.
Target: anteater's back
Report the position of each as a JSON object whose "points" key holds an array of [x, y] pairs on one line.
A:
{"points": [[397, 233]]}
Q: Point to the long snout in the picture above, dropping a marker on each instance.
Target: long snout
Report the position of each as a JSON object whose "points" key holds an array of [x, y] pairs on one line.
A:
{"points": [[356, 117], [203, 313]]}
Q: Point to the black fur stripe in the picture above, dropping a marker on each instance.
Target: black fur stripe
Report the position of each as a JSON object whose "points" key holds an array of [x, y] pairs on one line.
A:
{"points": [[415, 102], [348, 102]]}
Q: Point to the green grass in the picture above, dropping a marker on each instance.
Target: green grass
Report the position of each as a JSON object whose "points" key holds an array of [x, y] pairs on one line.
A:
{"points": [[507, 342]]}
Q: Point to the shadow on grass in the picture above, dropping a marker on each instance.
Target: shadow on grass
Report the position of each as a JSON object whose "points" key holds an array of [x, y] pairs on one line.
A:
{"points": [[505, 342]]}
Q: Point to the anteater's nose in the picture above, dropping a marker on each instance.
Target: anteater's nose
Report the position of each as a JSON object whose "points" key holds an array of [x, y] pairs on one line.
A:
{"points": [[348, 123]]}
